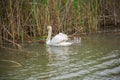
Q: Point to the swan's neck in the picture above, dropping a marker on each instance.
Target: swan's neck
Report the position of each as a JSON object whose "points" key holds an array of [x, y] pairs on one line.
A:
{"points": [[49, 36]]}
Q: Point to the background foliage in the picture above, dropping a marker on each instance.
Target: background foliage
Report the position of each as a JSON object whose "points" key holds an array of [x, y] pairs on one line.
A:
{"points": [[25, 20]]}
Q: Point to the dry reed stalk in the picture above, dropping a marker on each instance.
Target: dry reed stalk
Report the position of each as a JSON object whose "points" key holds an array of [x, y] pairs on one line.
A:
{"points": [[24, 20]]}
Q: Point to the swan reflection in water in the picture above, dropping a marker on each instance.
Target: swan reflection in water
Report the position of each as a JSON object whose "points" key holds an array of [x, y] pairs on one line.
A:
{"points": [[58, 53]]}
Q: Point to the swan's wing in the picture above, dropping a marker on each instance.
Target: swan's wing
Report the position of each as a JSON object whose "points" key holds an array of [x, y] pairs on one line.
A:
{"points": [[61, 34], [59, 38]]}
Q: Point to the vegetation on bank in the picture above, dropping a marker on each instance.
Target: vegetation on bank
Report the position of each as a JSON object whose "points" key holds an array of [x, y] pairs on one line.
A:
{"points": [[26, 20]]}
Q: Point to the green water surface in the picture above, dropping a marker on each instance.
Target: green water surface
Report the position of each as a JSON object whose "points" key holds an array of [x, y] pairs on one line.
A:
{"points": [[97, 57]]}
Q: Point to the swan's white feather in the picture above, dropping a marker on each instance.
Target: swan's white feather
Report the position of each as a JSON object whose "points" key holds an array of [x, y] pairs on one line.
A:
{"points": [[59, 38], [63, 44]]}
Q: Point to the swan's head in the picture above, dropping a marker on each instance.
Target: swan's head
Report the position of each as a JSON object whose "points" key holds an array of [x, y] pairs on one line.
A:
{"points": [[49, 28]]}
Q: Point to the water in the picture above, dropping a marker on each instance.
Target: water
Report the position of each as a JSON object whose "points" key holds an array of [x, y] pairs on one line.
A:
{"points": [[97, 57]]}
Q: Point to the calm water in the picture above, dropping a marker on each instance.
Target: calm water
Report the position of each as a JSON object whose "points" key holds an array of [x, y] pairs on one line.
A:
{"points": [[97, 57]]}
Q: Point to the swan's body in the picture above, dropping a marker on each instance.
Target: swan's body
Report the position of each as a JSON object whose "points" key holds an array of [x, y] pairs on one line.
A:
{"points": [[59, 40]]}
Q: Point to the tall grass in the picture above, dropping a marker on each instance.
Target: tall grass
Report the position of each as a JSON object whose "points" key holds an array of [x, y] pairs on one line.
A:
{"points": [[24, 20]]}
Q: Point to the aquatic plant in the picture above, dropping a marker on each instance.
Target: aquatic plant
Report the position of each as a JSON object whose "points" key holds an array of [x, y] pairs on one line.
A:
{"points": [[25, 20]]}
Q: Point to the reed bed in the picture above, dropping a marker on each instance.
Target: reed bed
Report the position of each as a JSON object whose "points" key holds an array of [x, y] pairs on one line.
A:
{"points": [[26, 20]]}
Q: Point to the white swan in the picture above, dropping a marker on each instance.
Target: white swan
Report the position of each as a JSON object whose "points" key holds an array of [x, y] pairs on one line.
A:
{"points": [[59, 40]]}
